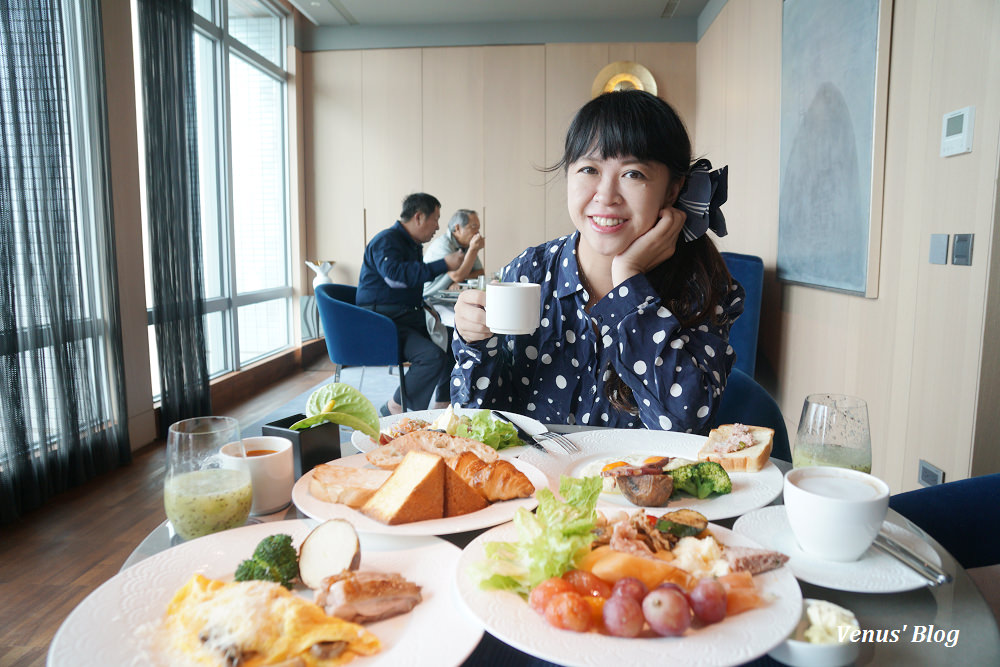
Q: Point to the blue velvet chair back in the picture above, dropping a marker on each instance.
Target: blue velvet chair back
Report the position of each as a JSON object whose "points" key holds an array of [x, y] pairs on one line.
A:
{"points": [[357, 336], [748, 270], [960, 515], [747, 402]]}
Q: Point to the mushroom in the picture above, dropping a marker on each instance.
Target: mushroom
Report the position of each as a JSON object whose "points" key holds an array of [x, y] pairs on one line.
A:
{"points": [[647, 490]]}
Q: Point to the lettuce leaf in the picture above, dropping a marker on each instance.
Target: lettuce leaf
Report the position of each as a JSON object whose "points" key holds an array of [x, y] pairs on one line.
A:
{"points": [[492, 432], [340, 403], [550, 541]]}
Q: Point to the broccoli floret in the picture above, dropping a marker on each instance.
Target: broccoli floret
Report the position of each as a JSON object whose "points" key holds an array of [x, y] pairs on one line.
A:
{"points": [[712, 478], [274, 559], [701, 479], [684, 479]]}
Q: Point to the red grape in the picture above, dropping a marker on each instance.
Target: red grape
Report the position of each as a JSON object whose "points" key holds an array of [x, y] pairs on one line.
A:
{"points": [[588, 584], [568, 611], [630, 587], [708, 601], [543, 592], [667, 611], [623, 616]]}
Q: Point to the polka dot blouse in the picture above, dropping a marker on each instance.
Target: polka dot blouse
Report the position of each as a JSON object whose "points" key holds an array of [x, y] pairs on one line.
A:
{"points": [[558, 373]]}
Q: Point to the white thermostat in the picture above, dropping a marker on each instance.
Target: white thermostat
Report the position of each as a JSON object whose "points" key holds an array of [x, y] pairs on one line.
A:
{"points": [[956, 131]]}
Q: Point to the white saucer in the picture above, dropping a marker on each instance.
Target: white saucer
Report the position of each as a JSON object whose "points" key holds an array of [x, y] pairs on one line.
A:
{"points": [[874, 572]]}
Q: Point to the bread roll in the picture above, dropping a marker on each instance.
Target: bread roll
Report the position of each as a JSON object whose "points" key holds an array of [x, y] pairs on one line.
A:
{"points": [[342, 484], [498, 480], [434, 442]]}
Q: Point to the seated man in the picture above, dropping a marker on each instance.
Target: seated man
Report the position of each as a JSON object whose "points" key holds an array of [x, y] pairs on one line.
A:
{"points": [[392, 276], [463, 234]]}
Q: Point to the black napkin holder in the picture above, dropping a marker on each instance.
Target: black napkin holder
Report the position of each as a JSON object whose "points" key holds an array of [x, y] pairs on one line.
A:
{"points": [[311, 446]]}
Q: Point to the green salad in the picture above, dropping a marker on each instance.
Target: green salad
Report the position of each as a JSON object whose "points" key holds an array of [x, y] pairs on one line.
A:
{"points": [[478, 426], [550, 541]]}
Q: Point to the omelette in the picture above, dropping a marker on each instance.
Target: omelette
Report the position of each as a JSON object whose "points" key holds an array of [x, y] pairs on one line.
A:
{"points": [[255, 623]]}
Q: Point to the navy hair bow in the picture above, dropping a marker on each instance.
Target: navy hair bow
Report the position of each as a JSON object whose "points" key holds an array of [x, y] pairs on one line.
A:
{"points": [[704, 192]]}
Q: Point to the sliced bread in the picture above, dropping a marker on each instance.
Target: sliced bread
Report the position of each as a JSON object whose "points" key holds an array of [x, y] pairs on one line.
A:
{"points": [[413, 492], [342, 484], [459, 497], [738, 448], [435, 442]]}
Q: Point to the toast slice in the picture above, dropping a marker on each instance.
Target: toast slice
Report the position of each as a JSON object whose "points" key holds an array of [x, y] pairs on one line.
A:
{"points": [[413, 492], [738, 448], [435, 442], [342, 484], [459, 497]]}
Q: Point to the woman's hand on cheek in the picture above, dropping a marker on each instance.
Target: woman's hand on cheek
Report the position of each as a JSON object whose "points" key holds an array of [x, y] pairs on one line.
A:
{"points": [[652, 248], [470, 316]]}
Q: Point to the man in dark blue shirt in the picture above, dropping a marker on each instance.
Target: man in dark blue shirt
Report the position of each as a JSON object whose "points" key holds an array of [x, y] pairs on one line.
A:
{"points": [[392, 279]]}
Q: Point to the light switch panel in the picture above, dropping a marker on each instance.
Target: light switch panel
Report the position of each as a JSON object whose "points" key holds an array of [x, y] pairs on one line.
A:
{"points": [[939, 249], [961, 250]]}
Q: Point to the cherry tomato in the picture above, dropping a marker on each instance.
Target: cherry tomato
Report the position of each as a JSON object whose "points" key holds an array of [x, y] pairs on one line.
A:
{"points": [[588, 583], [543, 592], [568, 611]]}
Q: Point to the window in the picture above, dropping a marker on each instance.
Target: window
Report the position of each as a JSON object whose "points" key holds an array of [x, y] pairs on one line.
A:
{"points": [[240, 81]]}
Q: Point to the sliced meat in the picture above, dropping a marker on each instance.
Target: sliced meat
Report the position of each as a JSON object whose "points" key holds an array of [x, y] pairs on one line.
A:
{"points": [[364, 597], [754, 561]]}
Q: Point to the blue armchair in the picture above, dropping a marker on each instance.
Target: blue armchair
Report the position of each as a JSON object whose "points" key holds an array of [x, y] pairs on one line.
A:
{"points": [[959, 516], [747, 402], [356, 336], [748, 270]]}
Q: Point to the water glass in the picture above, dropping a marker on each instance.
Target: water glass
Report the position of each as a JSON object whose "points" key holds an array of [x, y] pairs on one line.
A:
{"points": [[199, 495], [833, 431]]}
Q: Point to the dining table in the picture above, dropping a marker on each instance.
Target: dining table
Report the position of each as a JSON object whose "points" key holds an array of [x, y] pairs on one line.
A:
{"points": [[954, 606]]}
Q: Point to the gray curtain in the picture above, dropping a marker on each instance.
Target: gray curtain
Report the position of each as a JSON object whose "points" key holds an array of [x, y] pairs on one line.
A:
{"points": [[168, 96], [62, 399]]}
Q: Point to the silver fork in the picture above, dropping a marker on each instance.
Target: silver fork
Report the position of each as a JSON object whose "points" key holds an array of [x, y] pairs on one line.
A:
{"points": [[561, 440]]}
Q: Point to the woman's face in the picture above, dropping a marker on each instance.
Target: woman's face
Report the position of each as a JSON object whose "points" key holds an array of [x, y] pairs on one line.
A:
{"points": [[613, 201]]}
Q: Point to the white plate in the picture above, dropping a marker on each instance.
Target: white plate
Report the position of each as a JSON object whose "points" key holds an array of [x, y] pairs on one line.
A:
{"points": [[874, 572], [108, 627], [735, 640], [750, 489], [496, 513], [365, 444]]}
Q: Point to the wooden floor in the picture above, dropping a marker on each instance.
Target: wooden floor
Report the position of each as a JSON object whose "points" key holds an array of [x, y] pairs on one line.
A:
{"points": [[52, 558]]}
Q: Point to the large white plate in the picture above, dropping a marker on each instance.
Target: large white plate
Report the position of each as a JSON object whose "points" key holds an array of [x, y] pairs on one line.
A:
{"points": [[497, 513], [874, 572], [750, 489], [735, 640], [109, 626], [365, 444]]}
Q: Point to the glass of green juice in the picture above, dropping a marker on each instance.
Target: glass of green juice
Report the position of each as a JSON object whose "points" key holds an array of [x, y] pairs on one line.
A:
{"points": [[199, 495], [833, 431]]}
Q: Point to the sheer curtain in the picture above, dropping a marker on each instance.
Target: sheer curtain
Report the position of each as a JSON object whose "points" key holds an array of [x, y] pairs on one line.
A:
{"points": [[168, 94], [62, 399]]}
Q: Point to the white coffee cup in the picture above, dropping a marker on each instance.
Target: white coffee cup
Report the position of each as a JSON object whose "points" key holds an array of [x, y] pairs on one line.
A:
{"points": [[513, 308], [834, 513], [272, 470]]}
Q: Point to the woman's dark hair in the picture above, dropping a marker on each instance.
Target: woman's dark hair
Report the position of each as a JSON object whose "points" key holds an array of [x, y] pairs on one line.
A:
{"points": [[634, 123]]}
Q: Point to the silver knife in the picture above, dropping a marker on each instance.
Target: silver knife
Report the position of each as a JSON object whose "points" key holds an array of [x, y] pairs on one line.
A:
{"points": [[929, 571], [525, 437]]}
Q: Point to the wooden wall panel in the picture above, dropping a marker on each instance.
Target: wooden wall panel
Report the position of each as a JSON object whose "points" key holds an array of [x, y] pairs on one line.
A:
{"points": [[452, 94], [918, 352], [334, 157], [392, 92], [514, 143], [569, 73]]}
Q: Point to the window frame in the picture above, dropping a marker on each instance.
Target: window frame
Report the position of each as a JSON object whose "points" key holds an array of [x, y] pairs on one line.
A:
{"points": [[224, 46]]}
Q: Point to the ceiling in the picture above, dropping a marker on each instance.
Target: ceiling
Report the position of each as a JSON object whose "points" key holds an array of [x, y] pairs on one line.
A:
{"points": [[386, 13]]}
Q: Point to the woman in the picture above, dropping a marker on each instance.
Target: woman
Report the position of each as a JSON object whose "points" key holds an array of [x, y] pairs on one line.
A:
{"points": [[636, 304]]}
